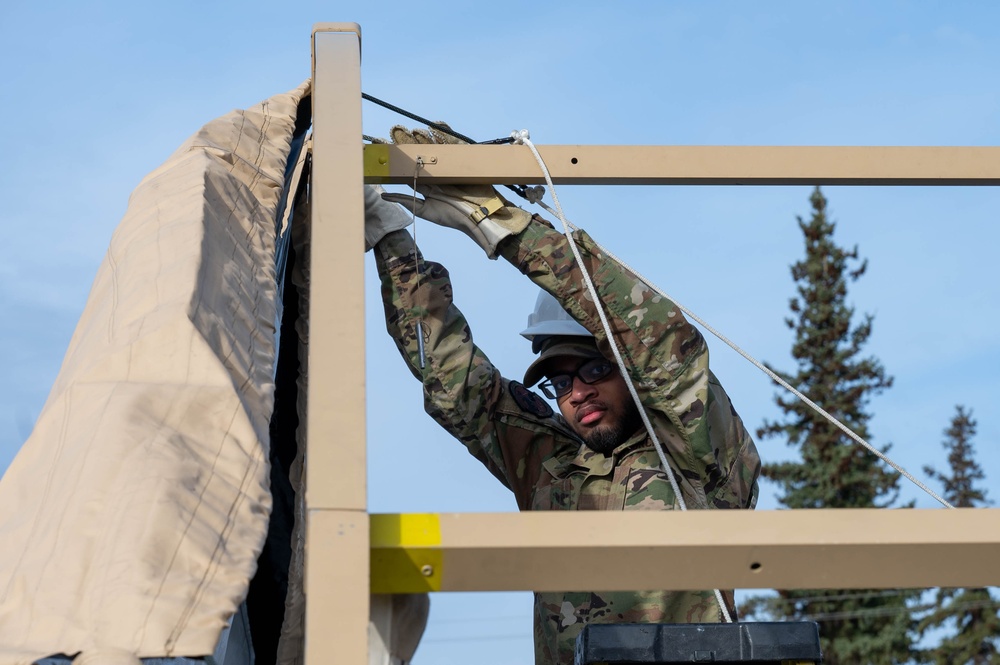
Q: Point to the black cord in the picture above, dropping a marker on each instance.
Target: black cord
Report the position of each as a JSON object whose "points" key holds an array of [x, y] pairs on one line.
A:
{"points": [[517, 189], [413, 116], [433, 125]]}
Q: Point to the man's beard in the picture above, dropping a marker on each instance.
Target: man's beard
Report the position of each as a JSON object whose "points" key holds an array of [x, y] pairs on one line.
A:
{"points": [[606, 438]]}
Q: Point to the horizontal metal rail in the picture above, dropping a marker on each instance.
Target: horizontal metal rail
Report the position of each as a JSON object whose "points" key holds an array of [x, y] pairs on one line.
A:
{"points": [[613, 550], [684, 165], [594, 550]]}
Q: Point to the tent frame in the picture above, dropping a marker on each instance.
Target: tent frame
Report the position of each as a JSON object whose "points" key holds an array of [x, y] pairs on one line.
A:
{"points": [[350, 554]]}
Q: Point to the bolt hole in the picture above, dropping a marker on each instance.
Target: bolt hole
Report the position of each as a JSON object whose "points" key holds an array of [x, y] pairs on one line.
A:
{"points": [[574, 160], [755, 566]]}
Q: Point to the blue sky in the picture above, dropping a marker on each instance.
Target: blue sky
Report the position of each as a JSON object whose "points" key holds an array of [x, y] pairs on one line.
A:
{"points": [[96, 96]]}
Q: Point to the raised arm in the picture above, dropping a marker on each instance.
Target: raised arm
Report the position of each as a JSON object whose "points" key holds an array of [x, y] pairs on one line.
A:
{"points": [[667, 359], [666, 356], [510, 430]]}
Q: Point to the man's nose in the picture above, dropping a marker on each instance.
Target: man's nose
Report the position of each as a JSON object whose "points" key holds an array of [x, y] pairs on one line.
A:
{"points": [[581, 391]]}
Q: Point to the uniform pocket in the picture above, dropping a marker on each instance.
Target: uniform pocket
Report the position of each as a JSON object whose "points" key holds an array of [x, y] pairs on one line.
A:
{"points": [[552, 493], [648, 488]]}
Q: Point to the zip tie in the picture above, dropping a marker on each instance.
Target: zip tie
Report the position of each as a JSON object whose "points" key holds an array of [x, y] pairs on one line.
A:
{"points": [[522, 137]]}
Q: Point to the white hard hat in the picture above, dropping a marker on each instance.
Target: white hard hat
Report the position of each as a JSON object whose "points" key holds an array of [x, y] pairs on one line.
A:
{"points": [[549, 318]]}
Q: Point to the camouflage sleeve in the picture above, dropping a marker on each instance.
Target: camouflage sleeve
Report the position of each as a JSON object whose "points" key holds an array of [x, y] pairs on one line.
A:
{"points": [[505, 426], [667, 359]]}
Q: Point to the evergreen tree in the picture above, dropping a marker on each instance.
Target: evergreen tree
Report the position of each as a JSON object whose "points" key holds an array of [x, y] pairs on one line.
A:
{"points": [[971, 614], [834, 472], [960, 488]]}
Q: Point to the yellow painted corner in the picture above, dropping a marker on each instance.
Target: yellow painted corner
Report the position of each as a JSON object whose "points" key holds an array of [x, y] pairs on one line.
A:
{"points": [[406, 553], [376, 163]]}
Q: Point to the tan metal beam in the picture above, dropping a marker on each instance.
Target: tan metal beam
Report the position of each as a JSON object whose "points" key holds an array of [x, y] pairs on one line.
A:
{"points": [[685, 165], [605, 550], [336, 363], [336, 585], [336, 565]]}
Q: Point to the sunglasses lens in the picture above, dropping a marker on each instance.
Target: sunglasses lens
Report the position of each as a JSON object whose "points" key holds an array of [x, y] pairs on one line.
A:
{"points": [[589, 372], [561, 385], [594, 371]]}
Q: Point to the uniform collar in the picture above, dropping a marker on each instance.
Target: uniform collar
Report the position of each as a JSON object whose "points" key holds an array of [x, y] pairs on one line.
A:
{"points": [[594, 462]]}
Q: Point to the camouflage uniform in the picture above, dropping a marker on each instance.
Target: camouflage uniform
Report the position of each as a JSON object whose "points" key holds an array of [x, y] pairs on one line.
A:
{"points": [[535, 453]]}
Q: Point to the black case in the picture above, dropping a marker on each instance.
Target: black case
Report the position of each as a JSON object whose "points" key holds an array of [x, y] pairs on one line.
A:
{"points": [[719, 643]]}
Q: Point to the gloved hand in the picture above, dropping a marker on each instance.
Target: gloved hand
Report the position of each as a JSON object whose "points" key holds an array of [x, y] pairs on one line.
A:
{"points": [[478, 211], [381, 216]]}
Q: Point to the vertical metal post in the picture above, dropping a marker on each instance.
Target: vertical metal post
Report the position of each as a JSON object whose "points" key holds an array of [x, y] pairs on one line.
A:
{"points": [[337, 542]]}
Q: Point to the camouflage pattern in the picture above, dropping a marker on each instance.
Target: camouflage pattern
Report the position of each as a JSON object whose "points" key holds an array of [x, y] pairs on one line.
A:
{"points": [[535, 453]]}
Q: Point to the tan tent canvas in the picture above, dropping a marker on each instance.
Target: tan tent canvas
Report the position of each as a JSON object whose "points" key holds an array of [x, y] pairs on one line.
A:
{"points": [[132, 518]]}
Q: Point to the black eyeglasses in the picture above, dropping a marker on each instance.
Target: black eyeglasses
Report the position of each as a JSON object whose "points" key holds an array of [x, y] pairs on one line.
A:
{"points": [[589, 372]]}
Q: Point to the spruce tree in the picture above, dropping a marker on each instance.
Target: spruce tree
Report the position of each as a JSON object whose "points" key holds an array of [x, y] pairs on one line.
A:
{"points": [[834, 472], [960, 489], [970, 615]]}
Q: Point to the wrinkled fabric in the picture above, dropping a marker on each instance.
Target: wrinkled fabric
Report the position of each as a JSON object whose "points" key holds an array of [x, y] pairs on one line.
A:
{"points": [[291, 641], [132, 518], [533, 451]]}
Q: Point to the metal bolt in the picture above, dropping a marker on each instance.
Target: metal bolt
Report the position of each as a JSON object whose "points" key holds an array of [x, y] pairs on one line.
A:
{"points": [[427, 570]]}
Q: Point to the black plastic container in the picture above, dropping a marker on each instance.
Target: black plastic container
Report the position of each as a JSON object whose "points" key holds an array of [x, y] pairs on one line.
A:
{"points": [[720, 643]]}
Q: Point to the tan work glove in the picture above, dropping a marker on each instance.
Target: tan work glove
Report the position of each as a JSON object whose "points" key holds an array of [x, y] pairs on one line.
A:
{"points": [[381, 216], [478, 211]]}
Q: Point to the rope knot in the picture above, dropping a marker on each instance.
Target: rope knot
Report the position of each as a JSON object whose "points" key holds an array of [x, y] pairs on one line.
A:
{"points": [[534, 194], [520, 136]]}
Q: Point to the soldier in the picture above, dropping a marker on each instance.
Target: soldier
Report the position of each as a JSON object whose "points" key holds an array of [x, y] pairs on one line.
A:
{"points": [[594, 454]]}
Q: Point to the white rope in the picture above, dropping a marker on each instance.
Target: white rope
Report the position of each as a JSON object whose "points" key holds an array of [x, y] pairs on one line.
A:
{"points": [[774, 377], [522, 137]]}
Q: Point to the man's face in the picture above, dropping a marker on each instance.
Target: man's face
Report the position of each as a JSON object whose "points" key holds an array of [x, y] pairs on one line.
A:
{"points": [[602, 413]]}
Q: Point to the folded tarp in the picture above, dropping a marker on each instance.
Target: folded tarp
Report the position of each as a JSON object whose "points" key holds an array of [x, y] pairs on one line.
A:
{"points": [[132, 518]]}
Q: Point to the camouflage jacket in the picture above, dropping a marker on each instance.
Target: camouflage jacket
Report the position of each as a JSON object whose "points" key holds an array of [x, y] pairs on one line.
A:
{"points": [[533, 451]]}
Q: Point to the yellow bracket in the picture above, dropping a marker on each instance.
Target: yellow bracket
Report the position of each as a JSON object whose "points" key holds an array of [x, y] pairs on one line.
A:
{"points": [[376, 163], [406, 554]]}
